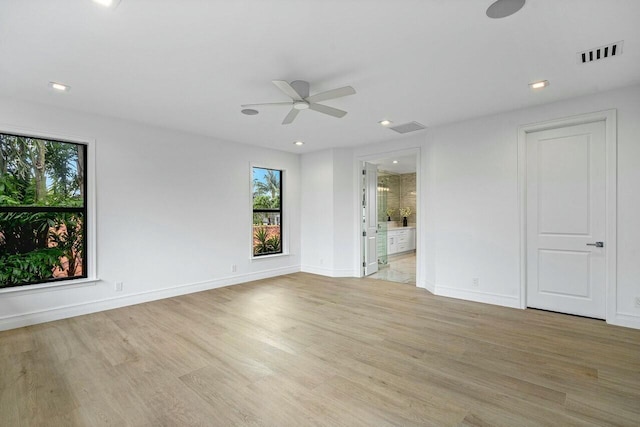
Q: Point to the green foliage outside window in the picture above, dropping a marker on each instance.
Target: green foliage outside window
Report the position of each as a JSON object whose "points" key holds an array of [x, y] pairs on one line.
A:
{"points": [[42, 212]]}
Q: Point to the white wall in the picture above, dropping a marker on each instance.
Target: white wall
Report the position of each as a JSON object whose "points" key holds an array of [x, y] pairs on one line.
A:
{"points": [[343, 224], [173, 214], [327, 230], [317, 212], [469, 201], [476, 205], [148, 178]]}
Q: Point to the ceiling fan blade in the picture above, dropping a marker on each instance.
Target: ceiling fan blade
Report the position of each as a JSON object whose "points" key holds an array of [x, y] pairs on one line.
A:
{"points": [[332, 94], [327, 110], [287, 89], [292, 115], [266, 103]]}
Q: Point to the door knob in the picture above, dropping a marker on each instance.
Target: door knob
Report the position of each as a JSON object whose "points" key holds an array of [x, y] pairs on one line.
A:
{"points": [[596, 244]]}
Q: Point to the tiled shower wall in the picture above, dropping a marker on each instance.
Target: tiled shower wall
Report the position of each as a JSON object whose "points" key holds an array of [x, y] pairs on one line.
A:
{"points": [[408, 195], [401, 193]]}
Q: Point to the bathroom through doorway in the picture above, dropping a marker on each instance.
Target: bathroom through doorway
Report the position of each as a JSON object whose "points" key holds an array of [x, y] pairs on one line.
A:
{"points": [[396, 218]]}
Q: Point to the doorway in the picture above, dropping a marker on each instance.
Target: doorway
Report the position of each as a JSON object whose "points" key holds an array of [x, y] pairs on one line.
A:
{"points": [[568, 232], [394, 213]]}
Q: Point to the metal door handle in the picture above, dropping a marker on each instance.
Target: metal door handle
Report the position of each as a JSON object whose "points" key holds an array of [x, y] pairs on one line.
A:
{"points": [[596, 244]]}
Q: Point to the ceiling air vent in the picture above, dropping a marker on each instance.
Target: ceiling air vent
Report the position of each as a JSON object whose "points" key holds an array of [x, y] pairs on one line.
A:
{"points": [[408, 127], [602, 52]]}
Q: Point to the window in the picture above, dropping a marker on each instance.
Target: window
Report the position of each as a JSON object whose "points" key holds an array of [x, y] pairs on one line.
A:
{"points": [[267, 211], [43, 210]]}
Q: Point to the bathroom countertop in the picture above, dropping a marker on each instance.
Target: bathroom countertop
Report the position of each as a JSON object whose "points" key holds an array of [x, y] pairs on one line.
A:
{"points": [[396, 227]]}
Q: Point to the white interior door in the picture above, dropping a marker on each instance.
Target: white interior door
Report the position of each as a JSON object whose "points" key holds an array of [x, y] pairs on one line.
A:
{"points": [[566, 219], [370, 218]]}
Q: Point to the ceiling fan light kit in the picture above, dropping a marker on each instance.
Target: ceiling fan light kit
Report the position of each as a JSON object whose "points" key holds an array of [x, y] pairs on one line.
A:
{"points": [[298, 91]]}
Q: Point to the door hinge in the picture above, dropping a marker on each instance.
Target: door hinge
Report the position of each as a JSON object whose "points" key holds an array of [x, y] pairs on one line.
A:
{"points": [[364, 234], [364, 264], [364, 171]]}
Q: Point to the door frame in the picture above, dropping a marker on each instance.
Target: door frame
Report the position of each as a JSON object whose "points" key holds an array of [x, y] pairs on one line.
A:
{"points": [[610, 119], [359, 160]]}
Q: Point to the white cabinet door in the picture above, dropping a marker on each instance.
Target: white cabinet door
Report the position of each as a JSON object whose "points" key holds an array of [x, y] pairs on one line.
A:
{"points": [[392, 243], [401, 240]]}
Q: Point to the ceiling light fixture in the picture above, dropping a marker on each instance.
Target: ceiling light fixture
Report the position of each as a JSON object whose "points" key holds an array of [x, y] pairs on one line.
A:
{"points": [[385, 122], [59, 87], [539, 85], [300, 105], [504, 8], [298, 143], [112, 4], [395, 162]]}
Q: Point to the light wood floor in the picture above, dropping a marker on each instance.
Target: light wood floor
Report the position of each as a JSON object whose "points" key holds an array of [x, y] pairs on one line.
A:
{"points": [[303, 350]]}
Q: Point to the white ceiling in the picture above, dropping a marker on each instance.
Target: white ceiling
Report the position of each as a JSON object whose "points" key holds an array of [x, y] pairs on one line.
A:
{"points": [[406, 164], [189, 64]]}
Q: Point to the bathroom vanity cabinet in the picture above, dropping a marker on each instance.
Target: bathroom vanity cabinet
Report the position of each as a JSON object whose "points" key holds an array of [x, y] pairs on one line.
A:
{"points": [[401, 240]]}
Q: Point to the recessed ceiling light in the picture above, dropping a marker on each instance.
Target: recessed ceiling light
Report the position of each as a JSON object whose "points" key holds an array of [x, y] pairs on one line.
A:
{"points": [[298, 143], [59, 87], [503, 8], [395, 162], [539, 85], [107, 3], [385, 122], [249, 111]]}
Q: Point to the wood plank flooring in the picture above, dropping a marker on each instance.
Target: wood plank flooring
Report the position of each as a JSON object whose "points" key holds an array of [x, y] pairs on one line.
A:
{"points": [[302, 350]]}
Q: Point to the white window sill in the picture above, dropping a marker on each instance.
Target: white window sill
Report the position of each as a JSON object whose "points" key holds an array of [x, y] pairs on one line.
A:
{"points": [[258, 258], [48, 286]]}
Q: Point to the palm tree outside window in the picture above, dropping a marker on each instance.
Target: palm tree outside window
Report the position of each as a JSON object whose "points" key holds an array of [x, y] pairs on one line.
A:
{"points": [[267, 211]]}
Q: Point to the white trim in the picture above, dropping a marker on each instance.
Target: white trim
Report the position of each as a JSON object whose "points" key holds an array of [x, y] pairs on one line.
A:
{"points": [[258, 258], [48, 315], [327, 271], [626, 320], [66, 284], [90, 197], [429, 286], [610, 119], [358, 161], [504, 300]]}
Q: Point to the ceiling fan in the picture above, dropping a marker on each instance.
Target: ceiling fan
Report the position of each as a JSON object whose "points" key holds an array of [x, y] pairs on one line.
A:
{"points": [[298, 91]]}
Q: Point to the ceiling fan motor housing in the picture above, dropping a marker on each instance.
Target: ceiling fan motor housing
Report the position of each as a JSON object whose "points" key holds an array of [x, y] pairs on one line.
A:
{"points": [[298, 91]]}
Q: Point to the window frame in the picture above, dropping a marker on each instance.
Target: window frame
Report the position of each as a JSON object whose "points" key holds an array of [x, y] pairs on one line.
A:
{"points": [[88, 210], [280, 210]]}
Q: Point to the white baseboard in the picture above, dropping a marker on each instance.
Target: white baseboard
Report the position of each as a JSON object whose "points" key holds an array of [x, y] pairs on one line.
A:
{"points": [[626, 320], [431, 287], [478, 296], [347, 272], [316, 270], [64, 312], [328, 272]]}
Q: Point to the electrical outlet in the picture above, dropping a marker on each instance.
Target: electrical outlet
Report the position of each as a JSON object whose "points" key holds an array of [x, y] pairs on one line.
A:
{"points": [[638, 302], [118, 287], [475, 282], [234, 268]]}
